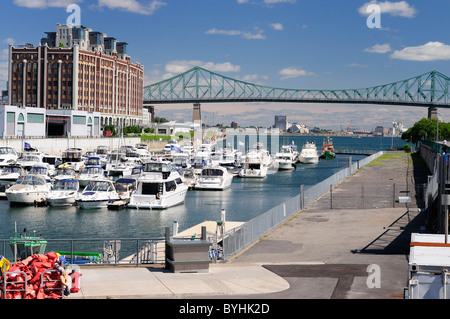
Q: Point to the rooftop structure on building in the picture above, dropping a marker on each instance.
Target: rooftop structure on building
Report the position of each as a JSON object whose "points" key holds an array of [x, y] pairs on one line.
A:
{"points": [[78, 69]]}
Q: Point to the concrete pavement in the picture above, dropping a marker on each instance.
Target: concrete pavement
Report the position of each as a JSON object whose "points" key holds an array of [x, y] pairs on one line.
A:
{"points": [[320, 253]]}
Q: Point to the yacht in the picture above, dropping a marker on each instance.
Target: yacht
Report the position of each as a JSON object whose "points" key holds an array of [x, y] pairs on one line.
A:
{"points": [[159, 186], [63, 192], [286, 158], [72, 157], [227, 156], [64, 171], [97, 194], [181, 160], [118, 165], [214, 178], [256, 163], [201, 160], [309, 154], [11, 173], [8, 156], [91, 173], [29, 160], [28, 190]]}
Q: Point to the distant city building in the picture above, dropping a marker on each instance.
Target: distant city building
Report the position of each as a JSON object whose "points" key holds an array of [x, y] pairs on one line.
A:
{"points": [[281, 123], [78, 69], [234, 125], [298, 128]]}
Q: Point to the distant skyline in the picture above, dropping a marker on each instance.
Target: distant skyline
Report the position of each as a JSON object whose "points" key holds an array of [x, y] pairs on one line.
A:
{"points": [[295, 44]]}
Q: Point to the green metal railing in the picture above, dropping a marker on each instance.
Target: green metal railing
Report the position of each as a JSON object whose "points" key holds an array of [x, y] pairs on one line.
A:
{"points": [[201, 85]]}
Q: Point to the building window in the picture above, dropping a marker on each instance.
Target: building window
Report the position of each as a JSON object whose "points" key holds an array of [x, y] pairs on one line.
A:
{"points": [[10, 117], [35, 118], [78, 119]]}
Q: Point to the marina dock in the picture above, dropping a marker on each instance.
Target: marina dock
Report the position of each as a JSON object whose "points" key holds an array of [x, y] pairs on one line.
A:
{"points": [[303, 258]]}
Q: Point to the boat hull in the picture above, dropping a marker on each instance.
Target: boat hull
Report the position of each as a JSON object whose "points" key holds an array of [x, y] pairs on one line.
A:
{"points": [[151, 202], [92, 204], [26, 198], [309, 160]]}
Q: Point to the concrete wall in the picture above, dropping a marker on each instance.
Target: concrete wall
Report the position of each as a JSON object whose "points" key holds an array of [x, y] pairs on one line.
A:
{"points": [[55, 146]]}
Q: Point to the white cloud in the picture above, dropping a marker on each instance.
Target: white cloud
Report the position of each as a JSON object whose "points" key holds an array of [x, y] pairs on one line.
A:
{"points": [[293, 72], [180, 66], [401, 9], [258, 34], [133, 6], [277, 26], [241, 1], [379, 48], [42, 4], [431, 51]]}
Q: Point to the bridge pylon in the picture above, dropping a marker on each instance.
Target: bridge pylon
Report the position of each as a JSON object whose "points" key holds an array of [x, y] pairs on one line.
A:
{"points": [[196, 115], [432, 112]]}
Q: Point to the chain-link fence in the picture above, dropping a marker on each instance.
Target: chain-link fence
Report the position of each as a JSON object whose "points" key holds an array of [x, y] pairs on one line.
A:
{"points": [[240, 238]]}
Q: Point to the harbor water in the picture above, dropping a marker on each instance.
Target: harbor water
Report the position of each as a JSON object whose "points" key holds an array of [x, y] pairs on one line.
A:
{"points": [[246, 199]]}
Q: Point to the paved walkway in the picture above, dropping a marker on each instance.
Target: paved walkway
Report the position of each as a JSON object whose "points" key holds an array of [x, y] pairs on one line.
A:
{"points": [[320, 253]]}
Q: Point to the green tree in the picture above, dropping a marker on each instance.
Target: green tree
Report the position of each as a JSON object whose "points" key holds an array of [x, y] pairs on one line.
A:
{"points": [[426, 129]]}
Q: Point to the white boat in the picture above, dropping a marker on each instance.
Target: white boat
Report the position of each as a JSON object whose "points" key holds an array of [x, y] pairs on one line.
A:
{"points": [[91, 173], [286, 158], [309, 154], [72, 157], [201, 159], [159, 187], [227, 156], [118, 165], [8, 156], [64, 171], [97, 194], [181, 160], [11, 173], [30, 159], [63, 192], [256, 163], [28, 190], [214, 178]]}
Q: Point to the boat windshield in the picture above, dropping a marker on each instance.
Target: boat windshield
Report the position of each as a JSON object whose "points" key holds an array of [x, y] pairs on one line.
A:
{"points": [[11, 169], [30, 180], [96, 186], [65, 171], [65, 186], [92, 170], [7, 150], [212, 172], [38, 170], [93, 161], [30, 158], [157, 167]]}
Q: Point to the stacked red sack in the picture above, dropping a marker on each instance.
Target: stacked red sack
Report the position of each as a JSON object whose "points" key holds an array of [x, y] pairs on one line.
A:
{"points": [[33, 266]]}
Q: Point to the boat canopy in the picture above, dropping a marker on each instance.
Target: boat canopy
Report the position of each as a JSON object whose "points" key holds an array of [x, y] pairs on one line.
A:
{"points": [[31, 180]]}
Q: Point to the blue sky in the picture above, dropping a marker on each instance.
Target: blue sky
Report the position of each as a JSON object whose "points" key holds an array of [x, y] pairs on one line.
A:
{"points": [[284, 43]]}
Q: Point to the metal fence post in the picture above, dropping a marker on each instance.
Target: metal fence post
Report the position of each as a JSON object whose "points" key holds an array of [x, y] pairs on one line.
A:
{"points": [[331, 196]]}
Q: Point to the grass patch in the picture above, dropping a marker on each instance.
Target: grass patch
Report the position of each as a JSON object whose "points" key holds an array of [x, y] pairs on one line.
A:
{"points": [[383, 159]]}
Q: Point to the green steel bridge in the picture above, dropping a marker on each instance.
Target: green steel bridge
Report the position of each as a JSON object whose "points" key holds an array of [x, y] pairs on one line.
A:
{"points": [[199, 85]]}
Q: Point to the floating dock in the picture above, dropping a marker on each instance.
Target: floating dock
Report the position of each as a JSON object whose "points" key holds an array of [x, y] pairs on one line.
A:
{"points": [[211, 229]]}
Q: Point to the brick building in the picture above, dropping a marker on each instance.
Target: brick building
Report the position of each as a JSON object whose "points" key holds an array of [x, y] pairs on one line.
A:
{"points": [[77, 69]]}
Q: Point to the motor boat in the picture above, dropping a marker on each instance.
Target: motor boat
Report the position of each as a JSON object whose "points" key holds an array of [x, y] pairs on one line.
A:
{"points": [[201, 160], [97, 194], [328, 149], [91, 173], [11, 173], [286, 158], [159, 187], [73, 157], [28, 190], [118, 165], [124, 188], [31, 159], [8, 156], [309, 154], [214, 178], [227, 156], [64, 171], [181, 160], [42, 170], [63, 192], [255, 164]]}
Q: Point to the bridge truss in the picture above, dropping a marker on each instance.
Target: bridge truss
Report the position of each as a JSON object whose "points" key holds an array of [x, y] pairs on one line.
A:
{"points": [[200, 85]]}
